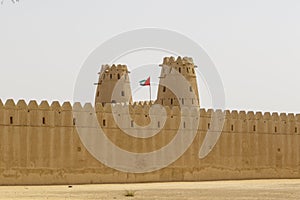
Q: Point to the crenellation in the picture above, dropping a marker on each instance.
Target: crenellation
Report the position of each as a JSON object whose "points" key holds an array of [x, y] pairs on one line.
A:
{"points": [[10, 104], [113, 67], [291, 117], [242, 115], [78, 107], [258, 115], [55, 105], [66, 106], [267, 116], [275, 116], [209, 112], [107, 108], [250, 115], [143, 107], [227, 114], [297, 117], [179, 61], [44, 105], [219, 112], [33, 105], [88, 107], [45, 115], [234, 114], [56, 113], [67, 114], [21, 113], [202, 112], [283, 116], [22, 105], [99, 107]]}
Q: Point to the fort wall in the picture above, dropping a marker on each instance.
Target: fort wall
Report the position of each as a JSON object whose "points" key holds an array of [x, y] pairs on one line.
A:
{"points": [[39, 144]]}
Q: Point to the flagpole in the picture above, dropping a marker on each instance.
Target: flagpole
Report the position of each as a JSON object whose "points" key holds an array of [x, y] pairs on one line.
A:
{"points": [[150, 91]]}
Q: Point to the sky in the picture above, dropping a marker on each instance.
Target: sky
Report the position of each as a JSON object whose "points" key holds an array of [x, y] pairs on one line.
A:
{"points": [[254, 45]]}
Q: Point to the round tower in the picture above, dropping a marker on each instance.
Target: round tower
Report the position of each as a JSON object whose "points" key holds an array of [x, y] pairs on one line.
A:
{"points": [[184, 67], [113, 85]]}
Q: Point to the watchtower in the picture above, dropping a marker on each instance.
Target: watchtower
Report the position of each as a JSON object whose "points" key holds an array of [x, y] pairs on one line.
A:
{"points": [[184, 67], [113, 85]]}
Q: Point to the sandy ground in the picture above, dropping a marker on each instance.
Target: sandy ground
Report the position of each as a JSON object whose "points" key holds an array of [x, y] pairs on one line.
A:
{"points": [[249, 189]]}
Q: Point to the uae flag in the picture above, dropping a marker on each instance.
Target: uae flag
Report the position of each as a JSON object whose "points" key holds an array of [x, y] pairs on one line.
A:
{"points": [[145, 82]]}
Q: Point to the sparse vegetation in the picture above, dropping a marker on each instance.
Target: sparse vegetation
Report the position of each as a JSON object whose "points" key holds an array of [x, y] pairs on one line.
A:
{"points": [[129, 193]]}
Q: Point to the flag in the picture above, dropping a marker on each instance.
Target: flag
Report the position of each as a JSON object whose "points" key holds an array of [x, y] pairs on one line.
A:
{"points": [[145, 82]]}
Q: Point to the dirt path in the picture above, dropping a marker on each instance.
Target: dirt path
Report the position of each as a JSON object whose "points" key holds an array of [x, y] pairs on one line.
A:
{"points": [[250, 189]]}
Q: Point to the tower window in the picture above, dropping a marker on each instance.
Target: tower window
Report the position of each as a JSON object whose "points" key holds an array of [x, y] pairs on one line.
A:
{"points": [[110, 76], [74, 121], [179, 69], [11, 120], [208, 126], [131, 123], [164, 88], [123, 93], [171, 101], [193, 71], [158, 124], [275, 129], [231, 127], [254, 128], [98, 93], [44, 120], [118, 76], [296, 130], [104, 122]]}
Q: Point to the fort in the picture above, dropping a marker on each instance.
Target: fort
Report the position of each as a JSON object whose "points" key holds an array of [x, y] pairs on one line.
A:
{"points": [[39, 143]]}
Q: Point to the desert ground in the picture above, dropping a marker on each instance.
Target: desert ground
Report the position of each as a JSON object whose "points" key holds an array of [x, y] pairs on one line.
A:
{"points": [[248, 189]]}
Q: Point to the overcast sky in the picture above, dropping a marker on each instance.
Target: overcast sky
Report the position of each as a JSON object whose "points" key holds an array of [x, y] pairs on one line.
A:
{"points": [[255, 44]]}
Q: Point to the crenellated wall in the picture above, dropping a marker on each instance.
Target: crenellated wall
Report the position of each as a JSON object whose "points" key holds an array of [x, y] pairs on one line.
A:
{"points": [[39, 144]]}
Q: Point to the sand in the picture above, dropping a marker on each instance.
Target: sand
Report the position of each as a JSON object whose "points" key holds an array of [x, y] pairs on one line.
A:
{"points": [[249, 189]]}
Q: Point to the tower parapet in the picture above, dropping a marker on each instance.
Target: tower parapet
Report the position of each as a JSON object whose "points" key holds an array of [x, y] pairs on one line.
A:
{"points": [[113, 85], [184, 67]]}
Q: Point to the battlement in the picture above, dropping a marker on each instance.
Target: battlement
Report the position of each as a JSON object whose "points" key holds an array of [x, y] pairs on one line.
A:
{"points": [[113, 68], [56, 114], [185, 61], [10, 104], [113, 72]]}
